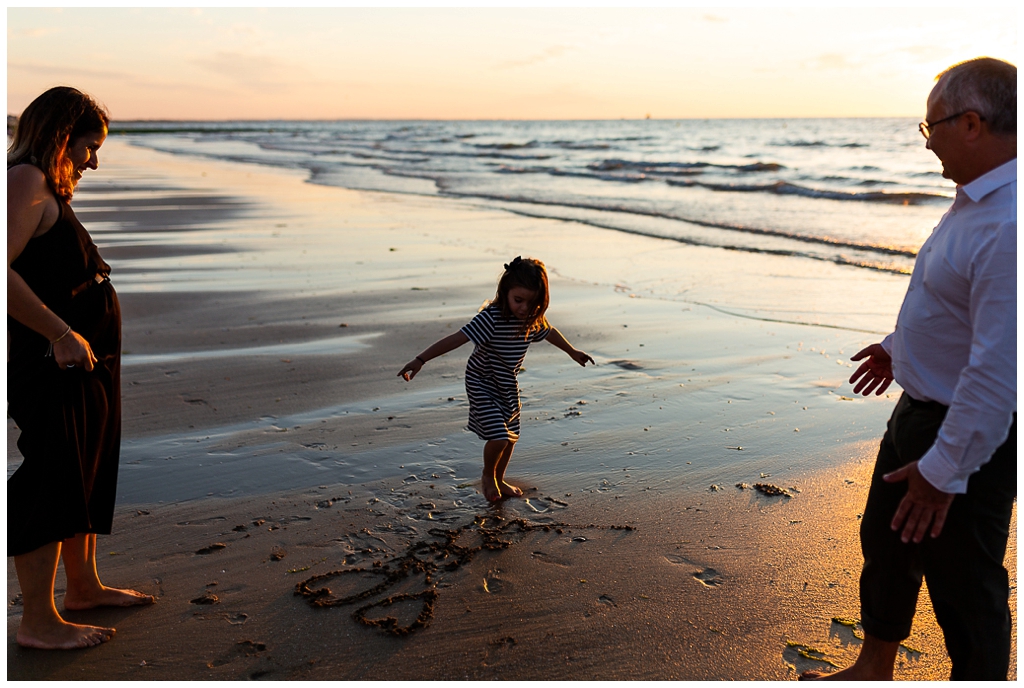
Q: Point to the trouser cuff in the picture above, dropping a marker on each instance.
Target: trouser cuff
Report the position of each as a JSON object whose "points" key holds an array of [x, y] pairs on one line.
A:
{"points": [[888, 632]]}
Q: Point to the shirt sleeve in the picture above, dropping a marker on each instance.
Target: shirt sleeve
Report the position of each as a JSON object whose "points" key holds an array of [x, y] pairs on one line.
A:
{"points": [[542, 333], [985, 399], [480, 329], [887, 343]]}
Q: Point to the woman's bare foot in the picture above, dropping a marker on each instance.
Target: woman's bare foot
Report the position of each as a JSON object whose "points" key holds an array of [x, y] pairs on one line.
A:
{"points": [[509, 490], [490, 487], [106, 597], [62, 635]]}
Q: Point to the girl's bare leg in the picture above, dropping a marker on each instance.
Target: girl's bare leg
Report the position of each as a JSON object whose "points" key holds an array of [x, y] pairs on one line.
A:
{"points": [[493, 451], [507, 490], [85, 590], [41, 626]]}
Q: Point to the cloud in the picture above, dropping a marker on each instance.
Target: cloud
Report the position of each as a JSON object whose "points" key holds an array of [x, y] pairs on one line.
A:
{"points": [[927, 53], [543, 56], [831, 61], [51, 70], [38, 32], [258, 72]]}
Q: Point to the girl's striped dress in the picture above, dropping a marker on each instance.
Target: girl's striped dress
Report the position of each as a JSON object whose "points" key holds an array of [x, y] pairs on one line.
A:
{"points": [[491, 383]]}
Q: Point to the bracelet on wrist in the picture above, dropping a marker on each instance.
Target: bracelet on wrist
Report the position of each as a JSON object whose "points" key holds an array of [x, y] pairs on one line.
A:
{"points": [[49, 349], [421, 360], [66, 333]]}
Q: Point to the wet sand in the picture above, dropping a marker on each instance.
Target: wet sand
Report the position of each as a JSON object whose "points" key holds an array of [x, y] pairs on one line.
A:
{"points": [[265, 320]]}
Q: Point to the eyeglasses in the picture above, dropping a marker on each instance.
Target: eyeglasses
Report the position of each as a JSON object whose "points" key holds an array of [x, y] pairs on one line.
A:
{"points": [[926, 127]]}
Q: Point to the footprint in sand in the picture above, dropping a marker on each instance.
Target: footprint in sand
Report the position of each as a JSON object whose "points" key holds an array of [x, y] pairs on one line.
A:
{"points": [[545, 558], [706, 575], [709, 577], [498, 650], [493, 585], [606, 600], [806, 658], [245, 648]]}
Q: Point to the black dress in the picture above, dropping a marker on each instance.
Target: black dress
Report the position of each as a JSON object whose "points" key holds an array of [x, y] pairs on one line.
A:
{"points": [[70, 420]]}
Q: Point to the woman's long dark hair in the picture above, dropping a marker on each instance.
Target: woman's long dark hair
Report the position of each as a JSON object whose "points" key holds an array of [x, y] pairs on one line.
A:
{"points": [[531, 274], [48, 127]]}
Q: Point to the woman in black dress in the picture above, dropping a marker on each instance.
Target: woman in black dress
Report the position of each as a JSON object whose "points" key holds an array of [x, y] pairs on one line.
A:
{"points": [[63, 373]]}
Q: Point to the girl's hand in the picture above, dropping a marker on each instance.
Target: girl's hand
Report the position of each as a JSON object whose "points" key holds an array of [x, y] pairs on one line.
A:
{"points": [[581, 357], [410, 369], [74, 352]]}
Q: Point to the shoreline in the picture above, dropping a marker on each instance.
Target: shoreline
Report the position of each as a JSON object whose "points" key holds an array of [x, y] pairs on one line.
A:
{"points": [[265, 320]]}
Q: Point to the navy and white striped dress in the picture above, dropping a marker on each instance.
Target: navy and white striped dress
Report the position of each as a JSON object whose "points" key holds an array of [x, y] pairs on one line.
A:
{"points": [[491, 382]]}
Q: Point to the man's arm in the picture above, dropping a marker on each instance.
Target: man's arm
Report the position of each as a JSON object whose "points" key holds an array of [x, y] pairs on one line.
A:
{"points": [[985, 399]]}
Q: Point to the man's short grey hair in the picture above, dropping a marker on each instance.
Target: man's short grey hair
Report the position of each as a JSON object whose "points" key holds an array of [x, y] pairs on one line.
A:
{"points": [[984, 85]]}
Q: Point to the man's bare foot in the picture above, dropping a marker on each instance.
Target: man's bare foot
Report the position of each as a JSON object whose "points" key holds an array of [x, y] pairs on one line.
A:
{"points": [[490, 487], [852, 673], [63, 636], [509, 490], [106, 597]]}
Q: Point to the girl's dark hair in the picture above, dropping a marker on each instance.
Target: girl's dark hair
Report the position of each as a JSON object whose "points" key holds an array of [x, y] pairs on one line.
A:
{"points": [[48, 127], [528, 273]]}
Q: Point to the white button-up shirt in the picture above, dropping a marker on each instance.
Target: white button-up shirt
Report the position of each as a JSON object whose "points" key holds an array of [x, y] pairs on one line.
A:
{"points": [[956, 336]]}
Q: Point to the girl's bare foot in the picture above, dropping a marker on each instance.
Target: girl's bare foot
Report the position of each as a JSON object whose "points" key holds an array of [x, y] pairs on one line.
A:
{"points": [[509, 490], [490, 487], [62, 636], [105, 597]]}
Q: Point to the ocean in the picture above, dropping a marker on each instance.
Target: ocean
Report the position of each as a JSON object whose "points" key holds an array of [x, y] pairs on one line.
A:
{"points": [[858, 192]]}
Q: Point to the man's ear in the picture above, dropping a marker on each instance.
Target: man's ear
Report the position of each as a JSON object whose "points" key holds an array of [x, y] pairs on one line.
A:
{"points": [[973, 123]]}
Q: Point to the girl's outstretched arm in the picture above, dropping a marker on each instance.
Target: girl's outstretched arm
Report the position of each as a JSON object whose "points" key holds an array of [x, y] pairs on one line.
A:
{"points": [[438, 348], [581, 357]]}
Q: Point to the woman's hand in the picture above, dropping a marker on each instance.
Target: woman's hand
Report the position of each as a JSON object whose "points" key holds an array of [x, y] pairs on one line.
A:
{"points": [[581, 357], [410, 369], [72, 351]]}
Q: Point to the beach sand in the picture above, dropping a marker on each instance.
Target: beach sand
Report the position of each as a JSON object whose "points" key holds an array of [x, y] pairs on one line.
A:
{"points": [[267, 440]]}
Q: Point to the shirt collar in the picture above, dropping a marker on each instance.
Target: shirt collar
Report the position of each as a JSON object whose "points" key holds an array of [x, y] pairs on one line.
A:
{"points": [[992, 180]]}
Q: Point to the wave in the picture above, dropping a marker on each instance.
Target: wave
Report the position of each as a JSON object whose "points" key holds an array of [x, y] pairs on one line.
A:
{"points": [[680, 167], [576, 145], [788, 253], [786, 188], [824, 241], [505, 146]]}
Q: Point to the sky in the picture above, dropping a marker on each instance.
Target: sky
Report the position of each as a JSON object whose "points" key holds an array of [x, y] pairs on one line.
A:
{"points": [[481, 63]]}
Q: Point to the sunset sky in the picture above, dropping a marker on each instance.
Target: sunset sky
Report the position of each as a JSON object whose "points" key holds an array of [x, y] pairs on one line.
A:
{"points": [[496, 63]]}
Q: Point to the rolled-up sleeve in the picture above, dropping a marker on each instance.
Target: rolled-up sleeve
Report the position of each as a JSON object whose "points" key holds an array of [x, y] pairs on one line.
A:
{"points": [[985, 398]]}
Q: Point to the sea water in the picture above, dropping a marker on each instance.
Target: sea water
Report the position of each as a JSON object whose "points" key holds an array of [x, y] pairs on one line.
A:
{"points": [[858, 192]]}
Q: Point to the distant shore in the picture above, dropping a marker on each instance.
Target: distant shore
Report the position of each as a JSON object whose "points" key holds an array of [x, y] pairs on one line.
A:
{"points": [[267, 440]]}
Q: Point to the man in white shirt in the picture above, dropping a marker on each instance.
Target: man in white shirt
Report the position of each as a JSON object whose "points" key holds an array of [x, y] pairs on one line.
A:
{"points": [[945, 480]]}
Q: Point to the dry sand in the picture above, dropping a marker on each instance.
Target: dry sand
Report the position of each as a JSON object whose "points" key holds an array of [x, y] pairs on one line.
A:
{"points": [[267, 440]]}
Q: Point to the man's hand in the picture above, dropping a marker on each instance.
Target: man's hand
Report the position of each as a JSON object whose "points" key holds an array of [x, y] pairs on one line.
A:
{"points": [[923, 505], [874, 372]]}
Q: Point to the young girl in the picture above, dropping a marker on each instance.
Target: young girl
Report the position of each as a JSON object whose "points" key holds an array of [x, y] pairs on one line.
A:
{"points": [[502, 331]]}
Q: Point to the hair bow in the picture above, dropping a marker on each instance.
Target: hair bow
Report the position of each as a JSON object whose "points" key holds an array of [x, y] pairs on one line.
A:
{"points": [[514, 263]]}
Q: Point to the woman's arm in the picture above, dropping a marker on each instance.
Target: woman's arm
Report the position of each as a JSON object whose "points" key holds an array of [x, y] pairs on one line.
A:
{"points": [[31, 210], [438, 348], [556, 338]]}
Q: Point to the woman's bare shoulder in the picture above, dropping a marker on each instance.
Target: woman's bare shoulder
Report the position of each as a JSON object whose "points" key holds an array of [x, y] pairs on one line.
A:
{"points": [[27, 179]]}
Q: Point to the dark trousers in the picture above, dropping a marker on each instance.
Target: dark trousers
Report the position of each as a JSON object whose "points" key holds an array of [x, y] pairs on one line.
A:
{"points": [[967, 583]]}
